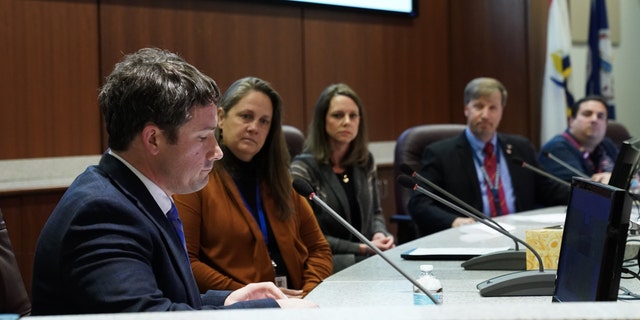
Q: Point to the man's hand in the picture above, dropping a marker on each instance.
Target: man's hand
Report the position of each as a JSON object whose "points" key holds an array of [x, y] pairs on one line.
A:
{"points": [[296, 304], [291, 293], [602, 177], [461, 222], [254, 291], [266, 290]]}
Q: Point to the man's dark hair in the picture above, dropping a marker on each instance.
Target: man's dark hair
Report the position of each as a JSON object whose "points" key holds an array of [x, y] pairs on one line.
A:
{"points": [[576, 105], [152, 86]]}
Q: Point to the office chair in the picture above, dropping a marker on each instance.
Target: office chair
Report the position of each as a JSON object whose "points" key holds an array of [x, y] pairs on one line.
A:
{"points": [[408, 150], [295, 139], [13, 295], [617, 132]]}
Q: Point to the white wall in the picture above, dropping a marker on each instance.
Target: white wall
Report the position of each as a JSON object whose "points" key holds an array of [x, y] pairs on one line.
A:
{"points": [[626, 68]]}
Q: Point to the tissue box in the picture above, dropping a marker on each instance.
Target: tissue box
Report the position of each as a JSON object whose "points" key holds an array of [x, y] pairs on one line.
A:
{"points": [[547, 243]]}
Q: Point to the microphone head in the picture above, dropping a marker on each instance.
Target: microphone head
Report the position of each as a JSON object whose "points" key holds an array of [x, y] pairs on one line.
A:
{"points": [[406, 181], [303, 188], [518, 161], [404, 168]]}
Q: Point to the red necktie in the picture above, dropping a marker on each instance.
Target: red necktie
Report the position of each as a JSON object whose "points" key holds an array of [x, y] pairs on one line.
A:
{"points": [[490, 165]]}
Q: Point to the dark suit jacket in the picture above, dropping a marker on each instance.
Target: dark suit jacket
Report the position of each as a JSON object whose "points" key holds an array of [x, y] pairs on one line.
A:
{"points": [[13, 294], [449, 164], [107, 247], [321, 177]]}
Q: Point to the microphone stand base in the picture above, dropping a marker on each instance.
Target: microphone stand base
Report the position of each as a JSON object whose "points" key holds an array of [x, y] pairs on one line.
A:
{"points": [[524, 283], [500, 260]]}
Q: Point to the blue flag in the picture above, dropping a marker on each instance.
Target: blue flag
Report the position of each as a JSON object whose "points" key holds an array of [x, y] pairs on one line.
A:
{"points": [[599, 63]]}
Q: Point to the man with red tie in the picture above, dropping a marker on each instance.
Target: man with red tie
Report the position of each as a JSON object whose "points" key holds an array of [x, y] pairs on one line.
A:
{"points": [[476, 166]]}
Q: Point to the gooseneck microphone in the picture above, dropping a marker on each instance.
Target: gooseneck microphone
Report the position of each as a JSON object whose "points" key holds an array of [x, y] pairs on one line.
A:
{"points": [[500, 260], [406, 169], [522, 283], [565, 165], [304, 189], [525, 165]]}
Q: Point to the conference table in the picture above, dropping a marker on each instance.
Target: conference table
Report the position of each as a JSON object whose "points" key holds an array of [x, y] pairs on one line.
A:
{"points": [[373, 282], [372, 289]]}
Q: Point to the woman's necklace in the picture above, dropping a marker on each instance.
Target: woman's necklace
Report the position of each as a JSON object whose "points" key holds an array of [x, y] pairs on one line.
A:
{"points": [[338, 168], [341, 172]]}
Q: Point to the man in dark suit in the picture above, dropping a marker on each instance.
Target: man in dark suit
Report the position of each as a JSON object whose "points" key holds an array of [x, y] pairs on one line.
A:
{"points": [[476, 166], [114, 242]]}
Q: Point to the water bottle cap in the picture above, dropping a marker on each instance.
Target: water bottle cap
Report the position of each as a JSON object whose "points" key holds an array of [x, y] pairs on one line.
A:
{"points": [[426, 267]]}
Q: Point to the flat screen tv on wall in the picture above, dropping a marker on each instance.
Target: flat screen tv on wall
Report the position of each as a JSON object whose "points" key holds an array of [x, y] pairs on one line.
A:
{"points": [[404, 7]]}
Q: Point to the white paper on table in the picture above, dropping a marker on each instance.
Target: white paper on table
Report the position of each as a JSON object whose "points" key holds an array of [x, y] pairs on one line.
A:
{"points": [[479, 227], [455, 253], [551, 218]]}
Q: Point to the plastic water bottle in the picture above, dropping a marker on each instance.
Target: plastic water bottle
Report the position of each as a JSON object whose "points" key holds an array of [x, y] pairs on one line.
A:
{"points": [[429, 282]]}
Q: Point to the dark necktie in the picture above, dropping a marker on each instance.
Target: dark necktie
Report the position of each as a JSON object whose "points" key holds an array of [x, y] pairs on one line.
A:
{"points": [[174, 218], [497, 206]]}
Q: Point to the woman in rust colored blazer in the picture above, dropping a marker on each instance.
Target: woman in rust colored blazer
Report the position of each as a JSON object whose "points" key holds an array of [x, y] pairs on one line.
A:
{"points": [[248, 225]]}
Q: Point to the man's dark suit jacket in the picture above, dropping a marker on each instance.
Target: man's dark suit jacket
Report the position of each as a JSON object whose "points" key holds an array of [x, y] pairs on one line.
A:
{"points": [[449, 164], [107, 247]]}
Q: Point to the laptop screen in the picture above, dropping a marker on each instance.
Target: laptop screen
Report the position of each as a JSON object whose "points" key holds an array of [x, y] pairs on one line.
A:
{"points": [[593, 241]]}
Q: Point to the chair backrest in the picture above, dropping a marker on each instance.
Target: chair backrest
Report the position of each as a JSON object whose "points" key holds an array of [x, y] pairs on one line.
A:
{"points": [[617, 132], [409, 148], [13, 295], [294, 138]]}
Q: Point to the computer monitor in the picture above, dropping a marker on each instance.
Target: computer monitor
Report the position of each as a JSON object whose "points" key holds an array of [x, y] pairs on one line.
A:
{"points": [[626, 165], [593, 242]]}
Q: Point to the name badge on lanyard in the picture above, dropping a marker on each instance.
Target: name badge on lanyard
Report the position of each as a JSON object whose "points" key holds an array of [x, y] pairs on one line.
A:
{"points": [[281, 281]]}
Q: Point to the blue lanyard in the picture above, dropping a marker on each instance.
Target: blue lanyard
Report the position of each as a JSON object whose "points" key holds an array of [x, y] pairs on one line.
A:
{"points": [[493, 186], [260, 218]]}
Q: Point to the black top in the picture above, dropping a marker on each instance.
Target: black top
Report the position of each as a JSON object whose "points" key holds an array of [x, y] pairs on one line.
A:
{"points": [[345, 179], [245, 176]]}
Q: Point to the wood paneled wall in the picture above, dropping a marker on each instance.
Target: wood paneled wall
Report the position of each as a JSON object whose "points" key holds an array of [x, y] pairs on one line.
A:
{"points": [[49, 78], [226, 40], [408, 71], [398, 66], [25, 214]]}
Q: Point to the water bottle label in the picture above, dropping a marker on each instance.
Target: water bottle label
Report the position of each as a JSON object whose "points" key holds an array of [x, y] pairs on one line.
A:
{"points": [[421, 299]]}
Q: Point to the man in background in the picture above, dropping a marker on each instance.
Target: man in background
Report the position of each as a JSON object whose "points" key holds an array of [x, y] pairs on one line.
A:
{"points": [[583, 146], [476, 166]]}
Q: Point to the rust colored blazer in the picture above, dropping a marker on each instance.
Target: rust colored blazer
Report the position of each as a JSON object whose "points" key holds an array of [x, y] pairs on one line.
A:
{"points": [[226, 247]]}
